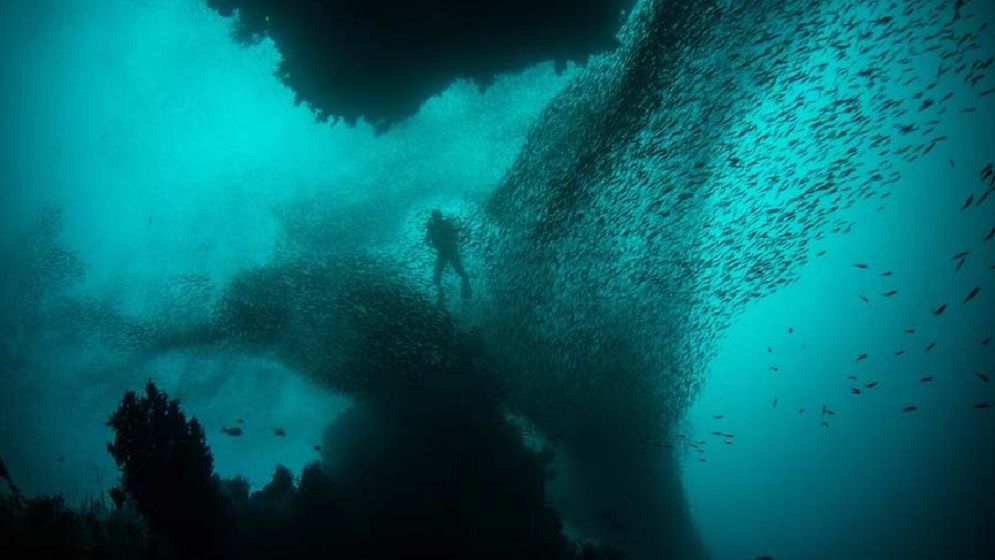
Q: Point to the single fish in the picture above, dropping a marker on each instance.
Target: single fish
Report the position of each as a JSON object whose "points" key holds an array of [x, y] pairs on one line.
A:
{"points": [[981, 405], [986, 341], [930, 346], [240, 421], [824, 424], [279, 432], [982, 376], [967, 203], [910, 331], [860, 265], [235, 432], [910, 408], [926, 379], [317, 448], [871, 385], [861, 357], [990, 235], [890, 293], [775, 402], [900, 352], [973, 293], [939, 310], [864, 298], [718, 417], [855, 390], [886, 273]]}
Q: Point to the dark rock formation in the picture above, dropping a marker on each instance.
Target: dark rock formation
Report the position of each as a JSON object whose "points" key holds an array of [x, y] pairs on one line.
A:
{"points": [[380, 59]]}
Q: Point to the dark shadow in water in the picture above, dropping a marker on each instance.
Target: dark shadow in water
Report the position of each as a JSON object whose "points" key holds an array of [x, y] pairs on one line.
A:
{"points": [[429, 468], [381, 59]]}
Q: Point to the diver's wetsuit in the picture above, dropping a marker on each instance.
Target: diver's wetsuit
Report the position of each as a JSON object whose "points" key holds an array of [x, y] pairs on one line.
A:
{"points": [[444, 237]]}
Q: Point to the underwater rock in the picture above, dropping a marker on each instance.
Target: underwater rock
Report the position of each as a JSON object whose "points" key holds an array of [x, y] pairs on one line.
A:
{"points": [[442, 473], [381, 59]]}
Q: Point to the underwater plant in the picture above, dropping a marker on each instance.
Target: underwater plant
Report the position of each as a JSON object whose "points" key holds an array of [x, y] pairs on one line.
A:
{"points": [[439, 472], [168, 470]]}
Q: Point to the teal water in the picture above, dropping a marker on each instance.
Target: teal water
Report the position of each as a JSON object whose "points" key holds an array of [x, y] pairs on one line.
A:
{"points": [[623, 315]]}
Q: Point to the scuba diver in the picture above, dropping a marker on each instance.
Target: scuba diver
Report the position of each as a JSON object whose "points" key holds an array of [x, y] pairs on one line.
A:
{"points": [[443, 235]]}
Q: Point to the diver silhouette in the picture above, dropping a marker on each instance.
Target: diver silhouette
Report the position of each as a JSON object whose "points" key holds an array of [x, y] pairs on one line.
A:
{"points": [[443, 235]]}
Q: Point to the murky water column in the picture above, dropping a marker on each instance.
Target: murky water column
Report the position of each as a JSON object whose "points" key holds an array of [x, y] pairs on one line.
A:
{"points": [[594, 288], [664, 190]]}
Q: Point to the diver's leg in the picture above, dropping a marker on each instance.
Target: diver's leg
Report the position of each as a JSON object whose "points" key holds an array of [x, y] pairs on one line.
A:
{"points": [[440, 265], [465, 290]]}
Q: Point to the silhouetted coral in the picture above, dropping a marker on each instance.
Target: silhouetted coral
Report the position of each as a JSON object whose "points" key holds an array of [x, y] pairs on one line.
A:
{"points": [[167, 468], [45, 527]]}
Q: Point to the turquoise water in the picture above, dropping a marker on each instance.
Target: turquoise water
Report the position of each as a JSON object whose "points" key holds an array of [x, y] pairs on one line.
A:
{"points": [[178, 164]]}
